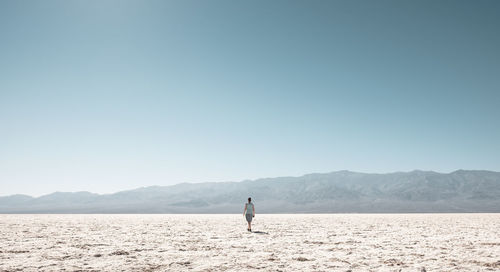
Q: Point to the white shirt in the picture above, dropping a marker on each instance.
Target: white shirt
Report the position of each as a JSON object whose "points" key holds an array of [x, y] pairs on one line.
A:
{"points": [[249, 208]]}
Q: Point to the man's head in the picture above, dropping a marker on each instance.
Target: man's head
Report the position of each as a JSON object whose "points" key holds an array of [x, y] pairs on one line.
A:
{"points": [[249, 199]]}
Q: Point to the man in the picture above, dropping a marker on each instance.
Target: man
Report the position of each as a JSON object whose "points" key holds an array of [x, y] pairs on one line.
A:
{"points": [[249, 213]]}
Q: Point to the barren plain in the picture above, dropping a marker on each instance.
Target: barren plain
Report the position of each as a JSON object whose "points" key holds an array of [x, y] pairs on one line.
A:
{"points": [[279, 242]]}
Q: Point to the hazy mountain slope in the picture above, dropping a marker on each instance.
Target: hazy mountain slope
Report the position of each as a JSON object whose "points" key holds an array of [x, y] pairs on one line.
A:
{"points": [[343, 191]]}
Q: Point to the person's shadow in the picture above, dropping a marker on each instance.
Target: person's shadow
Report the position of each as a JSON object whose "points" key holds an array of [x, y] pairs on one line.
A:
{"points": [[260, 232]]}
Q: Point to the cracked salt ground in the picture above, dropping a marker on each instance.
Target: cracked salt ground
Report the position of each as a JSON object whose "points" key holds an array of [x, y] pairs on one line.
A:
{"points": [[328, 242]]}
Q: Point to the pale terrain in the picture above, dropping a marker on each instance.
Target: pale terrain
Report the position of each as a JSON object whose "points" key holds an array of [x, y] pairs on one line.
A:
{"points": [[280, 242]]}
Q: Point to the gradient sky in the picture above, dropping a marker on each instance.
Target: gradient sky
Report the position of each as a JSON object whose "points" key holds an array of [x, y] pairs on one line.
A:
{"points": [[110, 95]]}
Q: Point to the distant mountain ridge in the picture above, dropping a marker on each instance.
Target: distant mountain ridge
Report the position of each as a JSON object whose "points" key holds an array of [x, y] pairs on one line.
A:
{"points": [[339, 192]]}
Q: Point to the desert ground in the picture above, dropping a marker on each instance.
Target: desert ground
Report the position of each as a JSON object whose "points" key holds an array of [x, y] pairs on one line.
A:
{"points": [[279, 242]]}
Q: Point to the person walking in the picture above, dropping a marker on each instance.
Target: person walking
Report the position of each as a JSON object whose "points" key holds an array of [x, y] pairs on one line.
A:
{"points": [[249, 213]]}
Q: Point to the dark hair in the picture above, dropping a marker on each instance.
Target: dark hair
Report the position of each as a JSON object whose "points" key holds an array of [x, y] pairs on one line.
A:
{"points": [[249, 199]]}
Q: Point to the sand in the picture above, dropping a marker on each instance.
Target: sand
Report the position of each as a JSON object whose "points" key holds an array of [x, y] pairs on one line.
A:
{"points": [[285, 242]]}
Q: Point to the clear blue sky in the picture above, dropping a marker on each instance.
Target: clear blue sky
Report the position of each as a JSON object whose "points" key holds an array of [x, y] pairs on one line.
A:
{"points": [[111, 95]]}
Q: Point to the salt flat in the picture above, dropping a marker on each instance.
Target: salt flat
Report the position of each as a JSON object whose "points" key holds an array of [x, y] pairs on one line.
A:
{"points": [[284, 242]]}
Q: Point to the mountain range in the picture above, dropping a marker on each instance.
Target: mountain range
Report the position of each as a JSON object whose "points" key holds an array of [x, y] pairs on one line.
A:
{"points": [[335, 192]]}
